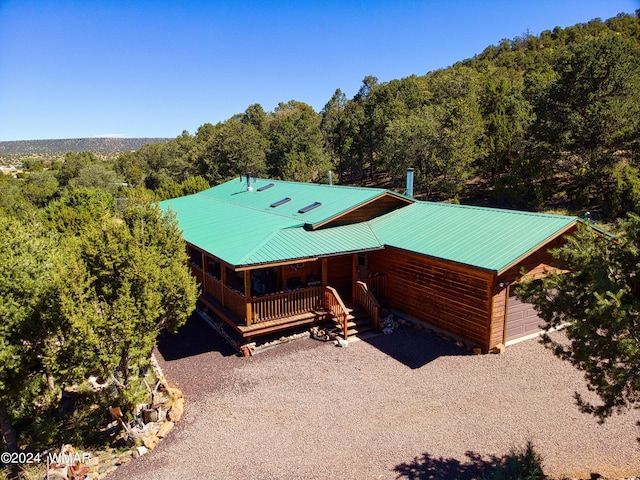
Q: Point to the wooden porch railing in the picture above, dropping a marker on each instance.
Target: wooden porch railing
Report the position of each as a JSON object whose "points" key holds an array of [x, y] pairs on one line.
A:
{"points": [[364, 297], [286, 304], [214, 287], [377, 285], [197, 272], [333, 303], [234, 301]]}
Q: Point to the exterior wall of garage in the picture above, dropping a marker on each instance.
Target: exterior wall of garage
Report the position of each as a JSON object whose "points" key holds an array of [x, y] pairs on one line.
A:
{"points": [[523, 319], [536, 264], [468, 302], [453, 297]]}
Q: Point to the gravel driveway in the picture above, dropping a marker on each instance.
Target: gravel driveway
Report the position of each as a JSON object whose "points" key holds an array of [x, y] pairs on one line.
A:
{"points": [[405, 405]]}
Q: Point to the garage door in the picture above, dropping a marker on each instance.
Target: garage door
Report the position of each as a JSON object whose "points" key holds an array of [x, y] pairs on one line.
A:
{"points": [[523, 319]]}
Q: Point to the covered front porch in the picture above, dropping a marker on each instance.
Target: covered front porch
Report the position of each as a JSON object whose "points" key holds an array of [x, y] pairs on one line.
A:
{"points": [[271, 298]]}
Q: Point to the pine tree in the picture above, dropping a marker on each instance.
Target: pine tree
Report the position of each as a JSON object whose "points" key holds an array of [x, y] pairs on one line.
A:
{"points": [[118, 285], [25, 272], [599, 301]]}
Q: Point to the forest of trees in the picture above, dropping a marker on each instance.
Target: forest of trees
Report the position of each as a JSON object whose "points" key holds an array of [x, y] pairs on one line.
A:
{"points": [[538, 122]]}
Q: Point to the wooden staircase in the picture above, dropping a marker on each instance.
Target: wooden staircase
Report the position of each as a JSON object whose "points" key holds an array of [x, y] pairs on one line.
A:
{"points": [[358, 321], [356, 317]]}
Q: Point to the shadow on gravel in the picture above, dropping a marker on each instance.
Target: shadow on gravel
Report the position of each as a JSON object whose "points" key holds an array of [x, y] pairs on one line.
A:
{"points": [[428, 467], [520, 463], [414, 348], [193, 338]]}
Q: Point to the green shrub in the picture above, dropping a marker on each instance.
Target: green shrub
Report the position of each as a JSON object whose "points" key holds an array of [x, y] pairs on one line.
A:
{"points": [[521, 464]]}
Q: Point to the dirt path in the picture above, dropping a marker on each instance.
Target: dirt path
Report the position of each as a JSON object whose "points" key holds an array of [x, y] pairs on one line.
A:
{"points": [[406, 405]]}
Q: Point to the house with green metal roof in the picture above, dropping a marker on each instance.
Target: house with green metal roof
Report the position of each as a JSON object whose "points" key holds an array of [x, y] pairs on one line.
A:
{"points": [[272, 255]]}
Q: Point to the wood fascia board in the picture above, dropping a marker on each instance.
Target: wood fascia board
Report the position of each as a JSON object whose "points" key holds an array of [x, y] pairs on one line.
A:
{"points": [[302, 260], [274, 264], [351, 252], [356, 207], [538, 246]]}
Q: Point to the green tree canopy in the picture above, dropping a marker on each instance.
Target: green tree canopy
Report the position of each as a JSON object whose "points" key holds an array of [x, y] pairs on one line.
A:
{"points": [[25, 274], [593, 116], [506, 115], [12, 200], [296, 143], [441, 139], [232, 148], [97, 176], [77, 210], [73, 163], [40, 187], [599, 302], [119, 284]]}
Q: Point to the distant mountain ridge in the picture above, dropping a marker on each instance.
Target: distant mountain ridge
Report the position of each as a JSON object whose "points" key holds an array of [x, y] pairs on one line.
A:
{"points": [[58, 146]]}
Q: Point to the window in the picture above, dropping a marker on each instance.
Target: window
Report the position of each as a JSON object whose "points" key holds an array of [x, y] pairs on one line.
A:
{"points": [[280, 202], [310, 207], [266, 187]]}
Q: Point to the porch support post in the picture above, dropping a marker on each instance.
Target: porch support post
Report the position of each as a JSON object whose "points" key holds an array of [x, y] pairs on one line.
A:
{"points": [[223, 279], [247, 295], [324, 271], [204, 272], [506, 313], [354, 274]]}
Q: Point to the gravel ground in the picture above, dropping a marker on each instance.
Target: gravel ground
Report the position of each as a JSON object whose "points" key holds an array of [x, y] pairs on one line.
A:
{"points": [[406, 405]]}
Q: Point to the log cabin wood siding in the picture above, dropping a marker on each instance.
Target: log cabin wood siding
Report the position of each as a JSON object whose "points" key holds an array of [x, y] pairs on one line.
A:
{"points": [[339, 274], [536, 264], [449, 296], [499, 312]]}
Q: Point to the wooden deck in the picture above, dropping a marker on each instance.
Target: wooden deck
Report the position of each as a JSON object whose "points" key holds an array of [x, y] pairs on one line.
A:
{"points": [[265, 327], [281, 311]]}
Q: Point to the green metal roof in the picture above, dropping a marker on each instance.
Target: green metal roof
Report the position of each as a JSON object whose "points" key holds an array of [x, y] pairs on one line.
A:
{"points": [[241, 228], [227, 231], [487, 238], [335, 199], [300, 243]]}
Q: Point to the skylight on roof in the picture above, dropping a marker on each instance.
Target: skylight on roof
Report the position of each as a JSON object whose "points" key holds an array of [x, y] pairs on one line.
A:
{"points": [[280, 202], [265, 187], [310, 207]]}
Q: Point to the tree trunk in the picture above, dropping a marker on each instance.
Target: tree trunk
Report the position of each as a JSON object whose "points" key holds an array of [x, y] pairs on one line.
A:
{"points": [[51, 383], [124, 365], [8, 433]]}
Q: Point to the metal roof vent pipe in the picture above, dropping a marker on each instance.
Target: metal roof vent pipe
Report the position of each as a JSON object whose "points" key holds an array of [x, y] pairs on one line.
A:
{"points": [[249, 187], [330, 178], [409, 191]]}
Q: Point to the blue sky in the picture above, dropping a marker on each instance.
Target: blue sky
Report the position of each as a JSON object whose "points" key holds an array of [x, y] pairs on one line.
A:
{"points": [[74, 69]]}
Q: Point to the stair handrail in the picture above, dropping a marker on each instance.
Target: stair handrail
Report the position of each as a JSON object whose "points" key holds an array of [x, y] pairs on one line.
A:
{"points": [[334, 304], [368, 300]]}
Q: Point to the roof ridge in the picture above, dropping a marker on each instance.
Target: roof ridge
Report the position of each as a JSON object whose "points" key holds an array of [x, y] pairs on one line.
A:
{"points": [[265, 240], [373, 230], [352, 187], [255, 209], [494, 209]]}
